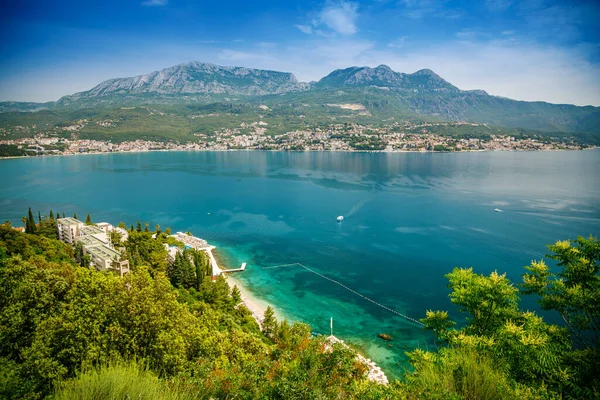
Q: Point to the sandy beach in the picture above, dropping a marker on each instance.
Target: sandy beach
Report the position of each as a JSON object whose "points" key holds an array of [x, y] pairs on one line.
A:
{"points": [[254, 304]]}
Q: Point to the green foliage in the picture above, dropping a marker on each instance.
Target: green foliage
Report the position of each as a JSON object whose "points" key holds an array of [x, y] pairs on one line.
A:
{"points": [[62, 323], [11, 150], [574, 292], [142, 249], [182, 272], [529, 351], [118, 381], [30, 223], [490, 301], [269, 323], [461, 373], [236, 296], [88, 220]]}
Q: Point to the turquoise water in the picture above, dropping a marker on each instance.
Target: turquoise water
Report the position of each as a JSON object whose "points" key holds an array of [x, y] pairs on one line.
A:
{"points": [[409, 219]]}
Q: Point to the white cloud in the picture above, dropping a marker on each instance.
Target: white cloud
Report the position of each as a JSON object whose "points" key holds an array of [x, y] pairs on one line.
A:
{"points": [[340, 17], [305, 29], [334, 19], [155, 3]]}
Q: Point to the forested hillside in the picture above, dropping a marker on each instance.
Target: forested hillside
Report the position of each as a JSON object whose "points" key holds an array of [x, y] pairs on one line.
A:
{"points": [[167, 331]]}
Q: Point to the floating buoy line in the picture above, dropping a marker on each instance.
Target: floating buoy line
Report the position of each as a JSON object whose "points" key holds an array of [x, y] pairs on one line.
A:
{"points": [[347, 288]]}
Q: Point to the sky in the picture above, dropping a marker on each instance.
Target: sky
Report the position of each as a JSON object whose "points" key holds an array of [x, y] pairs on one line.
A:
{"points": [[526, 50]]}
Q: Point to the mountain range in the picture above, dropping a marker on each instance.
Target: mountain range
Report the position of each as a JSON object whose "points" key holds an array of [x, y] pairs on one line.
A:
{"points": [[380, 92]]}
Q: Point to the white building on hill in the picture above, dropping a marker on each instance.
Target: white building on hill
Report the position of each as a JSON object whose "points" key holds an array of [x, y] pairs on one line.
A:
{"points": [[95, 241]]}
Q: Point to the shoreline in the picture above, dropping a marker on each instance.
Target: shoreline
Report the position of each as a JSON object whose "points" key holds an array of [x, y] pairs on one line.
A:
{"points": [[299, 151], [258, 306]]}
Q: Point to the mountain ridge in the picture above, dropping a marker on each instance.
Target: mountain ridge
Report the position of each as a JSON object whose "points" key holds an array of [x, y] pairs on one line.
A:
{"points": [[383, 92]]}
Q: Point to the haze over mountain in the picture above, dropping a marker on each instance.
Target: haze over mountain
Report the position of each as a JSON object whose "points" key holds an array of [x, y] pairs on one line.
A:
{"points": [[382, 91]]}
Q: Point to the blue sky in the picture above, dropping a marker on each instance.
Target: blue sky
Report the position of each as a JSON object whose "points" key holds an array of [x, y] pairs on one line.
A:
{"points": [[527, 50]]}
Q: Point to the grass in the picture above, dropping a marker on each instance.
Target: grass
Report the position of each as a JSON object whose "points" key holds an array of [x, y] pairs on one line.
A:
{"points": [[119, 381], [462, 373]]}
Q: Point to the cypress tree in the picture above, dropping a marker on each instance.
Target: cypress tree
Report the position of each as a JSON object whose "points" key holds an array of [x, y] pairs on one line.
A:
{"points": [[75, 215], [139, 226], [64, 214], [30, 222], [39, 217], [51, 216], [88, 220], [131, 229], [146, 227]]}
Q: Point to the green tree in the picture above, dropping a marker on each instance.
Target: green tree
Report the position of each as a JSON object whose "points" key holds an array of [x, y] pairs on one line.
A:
{"points": [[531, 351], [88, 220], [75, 215], [30, 225], [51, 216], [574, 292], [157, 230], [146, 225], [79, 253], [269, 323], [115, 237], [139, 226], [236, 296]]}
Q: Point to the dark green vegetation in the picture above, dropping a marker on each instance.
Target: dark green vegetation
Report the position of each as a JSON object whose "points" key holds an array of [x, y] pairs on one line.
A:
{"points": [[11, 150], [167, 331], [194, 98]]}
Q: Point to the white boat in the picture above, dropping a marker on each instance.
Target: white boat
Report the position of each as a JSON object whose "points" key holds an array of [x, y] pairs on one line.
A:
{"points": [[497, 210], [340, 218]]}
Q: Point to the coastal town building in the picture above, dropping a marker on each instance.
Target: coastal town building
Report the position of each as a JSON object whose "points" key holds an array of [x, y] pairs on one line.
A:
{"points": [[68, 229], [95, 241]]}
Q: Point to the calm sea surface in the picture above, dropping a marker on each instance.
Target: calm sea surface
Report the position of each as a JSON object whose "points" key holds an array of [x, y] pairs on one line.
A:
{"points": [[409, 219]]}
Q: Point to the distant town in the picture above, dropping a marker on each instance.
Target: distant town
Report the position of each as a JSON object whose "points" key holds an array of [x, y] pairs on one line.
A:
{"points": [[396, 137]]}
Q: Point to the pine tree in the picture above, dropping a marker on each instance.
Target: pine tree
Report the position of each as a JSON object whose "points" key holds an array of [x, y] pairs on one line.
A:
{"points": [[139, 226], [146, 227], [51, 216], [236, 296], [175, 271], [75, 215], [88, 220], [131, 229], [269, 323], [158, 232]]}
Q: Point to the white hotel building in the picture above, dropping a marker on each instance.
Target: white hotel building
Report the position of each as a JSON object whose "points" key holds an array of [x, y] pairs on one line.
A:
{"points": [[95, 242]]}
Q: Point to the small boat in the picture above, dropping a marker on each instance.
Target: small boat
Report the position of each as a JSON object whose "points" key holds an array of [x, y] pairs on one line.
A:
{"points": [[340, 218], [497, 210]]}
